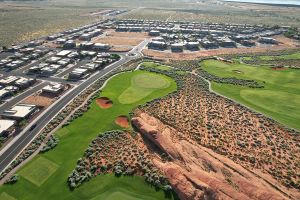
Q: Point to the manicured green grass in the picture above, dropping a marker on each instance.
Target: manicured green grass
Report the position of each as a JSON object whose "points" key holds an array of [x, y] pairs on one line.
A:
{"points": [[141, 86], [156, 65], [279, 99], [120, 193], [62, 132], [4, 196], [38, 171], [293, 56], [72, 146]]}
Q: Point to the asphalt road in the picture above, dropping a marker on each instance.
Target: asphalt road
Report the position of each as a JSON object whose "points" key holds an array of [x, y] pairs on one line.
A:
{"points": [[12, 150], [16, 99]]}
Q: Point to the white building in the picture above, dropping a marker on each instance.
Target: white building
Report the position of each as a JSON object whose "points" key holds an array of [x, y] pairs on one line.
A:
{"points": [[10, 80], [91, 66], [53, 88], [19, 112], [177, 47], [53, 59], [63, 53], [78, 73], [101, 47], [50, 70], [24, 82], [7, 127]]}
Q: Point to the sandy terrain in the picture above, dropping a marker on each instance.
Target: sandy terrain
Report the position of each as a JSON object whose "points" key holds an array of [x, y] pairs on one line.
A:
{"points": [[198, 173], [284, 43], [119, 41], [140, 35], [235, 135], [104, 102], [39, 100], [122, 121], [120, 48], [122, 41], [122, 38]]}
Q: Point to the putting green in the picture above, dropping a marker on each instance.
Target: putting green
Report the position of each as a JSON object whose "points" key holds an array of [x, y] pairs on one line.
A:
{"points": [[279, 99], [38, 171], [5, 196], [143, 85]]}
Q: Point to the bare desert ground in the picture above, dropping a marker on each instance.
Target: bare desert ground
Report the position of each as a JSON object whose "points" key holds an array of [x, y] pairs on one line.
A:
{"points": [[284, 44], [218, 148], [122, 41]]}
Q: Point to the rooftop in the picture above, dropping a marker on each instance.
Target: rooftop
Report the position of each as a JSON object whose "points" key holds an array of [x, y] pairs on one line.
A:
{"points": [[6, 124], [19, 111]]}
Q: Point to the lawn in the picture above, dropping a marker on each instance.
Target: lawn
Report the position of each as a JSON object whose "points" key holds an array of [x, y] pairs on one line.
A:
{"points": [[293, 56], [279, 99], [120, 193], [38, 171], [156, 65], [4, 196], [141, 86], [74, 140]]}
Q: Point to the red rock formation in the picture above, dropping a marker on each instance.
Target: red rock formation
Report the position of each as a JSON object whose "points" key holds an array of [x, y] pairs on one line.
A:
{"points": [[196, 172]]}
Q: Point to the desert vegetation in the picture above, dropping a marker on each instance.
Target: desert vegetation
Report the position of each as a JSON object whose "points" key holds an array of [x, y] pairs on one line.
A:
{"points": [[118, 152], [246, 137]]}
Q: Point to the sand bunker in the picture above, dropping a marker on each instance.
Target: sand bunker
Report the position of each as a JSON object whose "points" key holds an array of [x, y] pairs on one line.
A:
{"points": [[104, 102], [122, 121]]}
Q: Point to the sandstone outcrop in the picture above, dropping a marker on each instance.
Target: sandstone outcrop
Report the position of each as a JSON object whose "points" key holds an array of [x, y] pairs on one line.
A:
{"points": [[196, 172]]}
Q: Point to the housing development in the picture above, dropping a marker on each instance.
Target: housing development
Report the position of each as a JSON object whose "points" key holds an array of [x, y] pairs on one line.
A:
{"points": [[137, 108]]}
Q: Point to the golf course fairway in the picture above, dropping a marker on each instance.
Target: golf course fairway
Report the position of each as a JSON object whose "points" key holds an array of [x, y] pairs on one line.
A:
{"points": [[279, 99], [45, 176]]}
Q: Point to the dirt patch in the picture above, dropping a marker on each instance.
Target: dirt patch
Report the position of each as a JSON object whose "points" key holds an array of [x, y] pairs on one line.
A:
{"points": [[119, 40], [120, 48], [122, 121], [279, 68], [39, 100], [122, 39], [142, 35], [104, 102]]}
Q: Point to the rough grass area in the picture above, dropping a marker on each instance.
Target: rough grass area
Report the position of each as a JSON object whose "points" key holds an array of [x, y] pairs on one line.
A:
{"points": [[279, 99], [73, 144], [38, 171], [142, 85]]}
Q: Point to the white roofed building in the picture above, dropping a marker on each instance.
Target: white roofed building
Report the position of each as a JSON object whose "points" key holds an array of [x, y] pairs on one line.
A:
{"points": [[19, 112], [78, 73], [53, 88], [7, 127], [8, 80]]}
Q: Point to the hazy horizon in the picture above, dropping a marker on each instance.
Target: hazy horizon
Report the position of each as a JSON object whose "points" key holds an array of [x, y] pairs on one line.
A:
{"points": [[287, 2]]}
